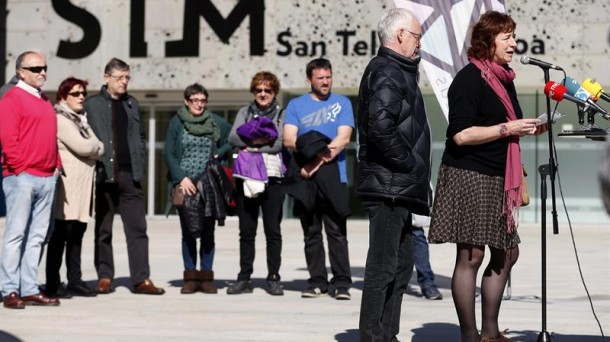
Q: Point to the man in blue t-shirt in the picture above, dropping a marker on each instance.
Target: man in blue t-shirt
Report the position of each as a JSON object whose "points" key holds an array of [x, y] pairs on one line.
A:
{"points": [[332, 115]]}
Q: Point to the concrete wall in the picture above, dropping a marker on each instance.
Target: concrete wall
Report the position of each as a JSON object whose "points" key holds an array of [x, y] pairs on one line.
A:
{"points": [[171, 43]]}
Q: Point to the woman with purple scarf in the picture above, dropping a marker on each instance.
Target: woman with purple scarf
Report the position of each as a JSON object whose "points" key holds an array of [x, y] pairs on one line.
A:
{"points": [[478, 192], [259, 186]]}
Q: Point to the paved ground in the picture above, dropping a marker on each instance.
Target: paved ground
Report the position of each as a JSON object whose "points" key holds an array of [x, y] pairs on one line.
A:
{"points": [[123, 316]]}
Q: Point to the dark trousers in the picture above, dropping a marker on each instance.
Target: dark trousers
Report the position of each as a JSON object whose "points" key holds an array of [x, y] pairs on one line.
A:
{"points": [[68, 235], [389, 265], [336, 233], [127, 198], [270, 202]]}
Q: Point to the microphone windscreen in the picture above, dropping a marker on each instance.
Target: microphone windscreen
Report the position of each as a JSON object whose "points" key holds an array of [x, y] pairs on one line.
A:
{"points": [[571, 85], [574, 89], [593, 87], [554, 90], [525, 59]]}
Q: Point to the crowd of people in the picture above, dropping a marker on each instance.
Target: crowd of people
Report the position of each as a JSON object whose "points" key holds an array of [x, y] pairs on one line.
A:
{"points": [[85, 156]]}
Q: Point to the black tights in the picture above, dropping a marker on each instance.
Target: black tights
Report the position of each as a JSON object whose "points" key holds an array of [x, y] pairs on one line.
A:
{"points": [[468, 261]]}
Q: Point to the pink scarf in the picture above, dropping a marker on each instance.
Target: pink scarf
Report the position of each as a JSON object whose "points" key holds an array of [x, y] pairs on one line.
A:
{"points": [[497, 76]]}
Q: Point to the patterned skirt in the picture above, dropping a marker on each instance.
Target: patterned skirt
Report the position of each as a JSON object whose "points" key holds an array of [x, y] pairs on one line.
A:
{"points": [[468, 209]]}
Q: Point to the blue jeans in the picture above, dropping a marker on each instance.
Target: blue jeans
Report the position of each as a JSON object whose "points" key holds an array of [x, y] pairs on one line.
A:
{"points": [[206, 249], [389, 265], [29, 201], [421, 254]]}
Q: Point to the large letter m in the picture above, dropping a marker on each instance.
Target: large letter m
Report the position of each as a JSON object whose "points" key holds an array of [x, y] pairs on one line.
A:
{"points": [[224, 28]]}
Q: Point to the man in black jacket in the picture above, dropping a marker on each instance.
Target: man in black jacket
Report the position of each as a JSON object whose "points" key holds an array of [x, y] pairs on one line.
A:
{"points": [[115, 118], [393, 170]]}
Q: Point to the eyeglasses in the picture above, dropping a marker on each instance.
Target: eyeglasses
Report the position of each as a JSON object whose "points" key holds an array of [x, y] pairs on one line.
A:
{"points": [[265, 90], [198, 101], [121, 78], [417, 36], [78, 93], [36, 69]]}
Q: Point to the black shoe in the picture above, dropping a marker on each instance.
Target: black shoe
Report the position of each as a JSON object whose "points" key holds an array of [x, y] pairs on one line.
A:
{"points": [[239, 287], [313, 292], [82, 290], [275, 289], [342, 293], [432, 293], [57, 291]]}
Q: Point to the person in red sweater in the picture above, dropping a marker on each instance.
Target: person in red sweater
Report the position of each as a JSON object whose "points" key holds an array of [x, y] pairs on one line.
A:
{"points": [[30, 166]]}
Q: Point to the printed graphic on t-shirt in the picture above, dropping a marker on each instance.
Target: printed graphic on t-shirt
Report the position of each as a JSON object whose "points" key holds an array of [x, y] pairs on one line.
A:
{"points": [[322, 115]]}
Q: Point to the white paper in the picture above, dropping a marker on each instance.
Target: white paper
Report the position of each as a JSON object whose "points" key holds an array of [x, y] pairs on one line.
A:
{"points": [[544, 118]]}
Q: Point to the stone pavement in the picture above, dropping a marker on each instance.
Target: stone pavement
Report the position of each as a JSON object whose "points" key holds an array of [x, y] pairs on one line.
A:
{"points": [[123, 316]]}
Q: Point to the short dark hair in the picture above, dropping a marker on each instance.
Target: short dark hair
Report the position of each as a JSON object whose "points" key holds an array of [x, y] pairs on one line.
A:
{"points": [[193, 89], [262, 77], [484, 32], [116, 64], [318, 63], [66, 85]]}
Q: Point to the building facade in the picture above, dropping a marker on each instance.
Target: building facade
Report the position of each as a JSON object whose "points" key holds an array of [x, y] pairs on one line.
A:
{"points": [[222, 43]]}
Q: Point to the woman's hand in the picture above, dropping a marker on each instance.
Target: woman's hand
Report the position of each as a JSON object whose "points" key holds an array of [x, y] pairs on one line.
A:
{"points": [[522, 127], [187, 187], [542, 129]]}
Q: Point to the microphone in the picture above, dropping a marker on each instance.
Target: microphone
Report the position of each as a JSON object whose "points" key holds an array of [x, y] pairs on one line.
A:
{"points": [[595, 89], [574, 89], [544, 65], [558, 92]]}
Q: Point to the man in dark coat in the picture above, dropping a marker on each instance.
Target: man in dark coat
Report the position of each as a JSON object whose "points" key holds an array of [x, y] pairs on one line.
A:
{"points": [[114, 116], [393, 170]]}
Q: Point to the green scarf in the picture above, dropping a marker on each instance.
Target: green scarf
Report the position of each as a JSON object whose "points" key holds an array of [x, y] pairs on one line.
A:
{"points": [[201, 125]]}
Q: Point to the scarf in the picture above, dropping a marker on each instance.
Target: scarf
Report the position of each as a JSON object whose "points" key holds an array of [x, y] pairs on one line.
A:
{"points": [[200, 125], [80, 120], [270, 112], [496, 77]]}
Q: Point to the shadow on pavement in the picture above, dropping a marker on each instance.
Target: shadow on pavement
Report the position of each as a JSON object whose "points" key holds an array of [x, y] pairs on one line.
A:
{"points": [[349, 335], [6, 337]]}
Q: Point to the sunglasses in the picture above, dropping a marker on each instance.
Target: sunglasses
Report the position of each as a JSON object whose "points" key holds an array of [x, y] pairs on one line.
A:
{"points": [[78, 93], [36, 69], [263, 90]]}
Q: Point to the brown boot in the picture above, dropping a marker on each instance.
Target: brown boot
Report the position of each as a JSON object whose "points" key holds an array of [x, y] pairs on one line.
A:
{"points": [[191, 282], [207, 282]]}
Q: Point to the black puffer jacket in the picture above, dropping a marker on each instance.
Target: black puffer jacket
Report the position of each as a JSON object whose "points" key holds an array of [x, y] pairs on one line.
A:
{"points": [[394, 136]]}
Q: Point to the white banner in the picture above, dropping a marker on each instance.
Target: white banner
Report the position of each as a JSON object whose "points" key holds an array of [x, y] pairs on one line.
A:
{"points": [[445, 28]]}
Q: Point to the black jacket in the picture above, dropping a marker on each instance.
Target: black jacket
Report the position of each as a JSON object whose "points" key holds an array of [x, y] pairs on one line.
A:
{"points": [[394, 136], [324, 188], [216, 191]]}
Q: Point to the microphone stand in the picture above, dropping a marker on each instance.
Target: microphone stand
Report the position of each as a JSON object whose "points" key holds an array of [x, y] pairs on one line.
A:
{"points": [[547, 170]]}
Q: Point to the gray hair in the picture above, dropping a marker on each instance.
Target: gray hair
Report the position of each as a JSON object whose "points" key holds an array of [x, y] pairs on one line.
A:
{"points": [[391, 21], [21, 57]]}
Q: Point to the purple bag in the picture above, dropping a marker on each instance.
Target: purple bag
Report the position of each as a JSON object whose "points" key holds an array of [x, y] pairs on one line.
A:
{"points": [[258, 127]]}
